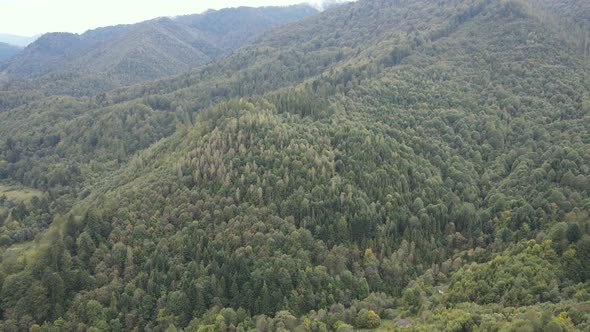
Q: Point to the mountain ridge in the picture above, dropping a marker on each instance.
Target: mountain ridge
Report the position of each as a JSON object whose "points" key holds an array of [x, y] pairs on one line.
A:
{"points": [[95, 51]]}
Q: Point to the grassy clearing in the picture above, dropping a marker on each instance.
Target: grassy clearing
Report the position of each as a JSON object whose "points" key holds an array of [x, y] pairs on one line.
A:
{"points": [[20, 255], [17, 256], [19, 194]]}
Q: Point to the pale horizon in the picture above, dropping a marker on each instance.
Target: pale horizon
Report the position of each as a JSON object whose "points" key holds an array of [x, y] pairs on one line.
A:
{"points": [[35, 17]]}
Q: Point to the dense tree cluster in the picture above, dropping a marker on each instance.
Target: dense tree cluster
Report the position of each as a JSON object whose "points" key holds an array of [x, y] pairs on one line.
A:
{"points": [[384, 163]]}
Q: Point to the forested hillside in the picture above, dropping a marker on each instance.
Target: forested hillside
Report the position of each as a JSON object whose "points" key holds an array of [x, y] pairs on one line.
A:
{"points": [[106, 58], [391, 165]]}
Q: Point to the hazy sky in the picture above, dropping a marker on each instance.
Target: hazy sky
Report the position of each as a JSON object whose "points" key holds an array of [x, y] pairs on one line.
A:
{"points": [[31, 17]]}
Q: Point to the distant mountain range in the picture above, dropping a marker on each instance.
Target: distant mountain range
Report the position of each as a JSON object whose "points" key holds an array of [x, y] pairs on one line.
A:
{"points": [[15, 40], [125, 54], [7, 51]]}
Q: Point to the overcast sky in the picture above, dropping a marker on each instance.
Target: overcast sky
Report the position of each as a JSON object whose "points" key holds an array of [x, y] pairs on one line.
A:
{"points": [[31, 17]]}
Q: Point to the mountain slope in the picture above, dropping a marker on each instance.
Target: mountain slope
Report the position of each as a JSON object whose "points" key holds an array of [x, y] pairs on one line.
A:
{"points": [[52, 51], [7, 51], [122, 55], [285, 57], [411, 161], [233, 32]]}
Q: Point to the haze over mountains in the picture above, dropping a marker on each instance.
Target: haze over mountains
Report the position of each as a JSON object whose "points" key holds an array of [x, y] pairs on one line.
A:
{"points": [[380, 164], [7, 51], [14, 40], [121, 55]]}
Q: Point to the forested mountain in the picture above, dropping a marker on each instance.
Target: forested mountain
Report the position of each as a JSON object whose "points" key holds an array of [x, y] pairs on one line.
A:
{"points": [[7, 51], [110, 57], [420, 163]]}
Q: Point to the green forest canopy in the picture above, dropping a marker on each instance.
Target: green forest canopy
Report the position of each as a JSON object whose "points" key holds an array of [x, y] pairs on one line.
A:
{"points": [[381, 161]]}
